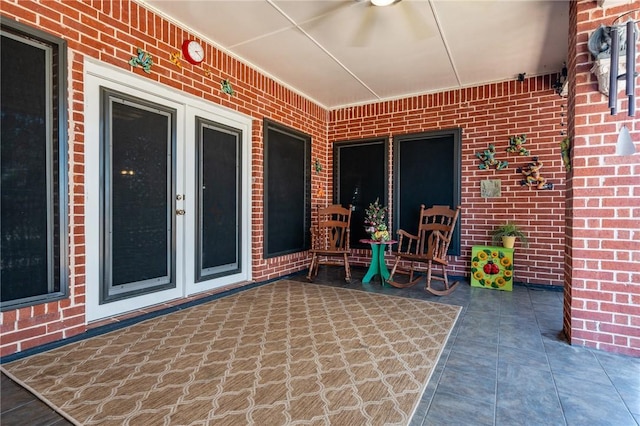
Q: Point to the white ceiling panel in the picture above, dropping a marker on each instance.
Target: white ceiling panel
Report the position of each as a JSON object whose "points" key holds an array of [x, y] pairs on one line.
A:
{"points": [[305, 67], [344, 52]]}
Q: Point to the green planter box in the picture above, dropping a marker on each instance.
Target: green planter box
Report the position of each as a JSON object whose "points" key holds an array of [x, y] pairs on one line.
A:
{"points": [[492, 267]]}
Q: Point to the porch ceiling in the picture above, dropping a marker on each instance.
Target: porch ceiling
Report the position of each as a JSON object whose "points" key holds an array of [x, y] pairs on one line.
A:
{"points": [[347, 52]]}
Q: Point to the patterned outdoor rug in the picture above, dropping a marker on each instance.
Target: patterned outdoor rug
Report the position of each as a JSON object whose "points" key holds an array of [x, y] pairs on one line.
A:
{"points": [[282, 353]]}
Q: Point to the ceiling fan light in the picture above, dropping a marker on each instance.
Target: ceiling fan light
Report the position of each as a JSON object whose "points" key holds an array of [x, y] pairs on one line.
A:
{"points": [[382, 2]]}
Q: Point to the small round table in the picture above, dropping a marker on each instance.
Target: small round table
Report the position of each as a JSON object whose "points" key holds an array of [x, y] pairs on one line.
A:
{"points": [[378, 265]]}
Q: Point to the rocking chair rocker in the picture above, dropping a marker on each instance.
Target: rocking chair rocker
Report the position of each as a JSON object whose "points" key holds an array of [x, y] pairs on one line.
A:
{"points": [[429, 247], [330, 240]]}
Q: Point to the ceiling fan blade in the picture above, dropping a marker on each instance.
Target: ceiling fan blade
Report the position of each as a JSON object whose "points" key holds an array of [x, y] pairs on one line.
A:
{"points": [[334, 8], [366, 26], [419, 28]]}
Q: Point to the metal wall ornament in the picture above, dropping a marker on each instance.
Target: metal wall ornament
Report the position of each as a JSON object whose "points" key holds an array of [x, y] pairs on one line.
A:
{"points": [[565, 150], [175, 57], [515, 145], [226, 88], [488, 160], [143, 60], [532, 177]]}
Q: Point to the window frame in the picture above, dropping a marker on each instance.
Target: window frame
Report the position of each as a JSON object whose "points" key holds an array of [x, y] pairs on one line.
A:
{"points": [[455, 195], [207, 273], [382, 168], [270, 128], [57, 99]]}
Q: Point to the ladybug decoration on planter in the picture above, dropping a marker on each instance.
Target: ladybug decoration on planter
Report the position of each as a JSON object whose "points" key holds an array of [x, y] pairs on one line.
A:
{"points": [[491, 268]]}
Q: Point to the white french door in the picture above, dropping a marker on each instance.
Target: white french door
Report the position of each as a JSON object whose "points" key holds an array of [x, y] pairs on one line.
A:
{"points": [[166, 193]]}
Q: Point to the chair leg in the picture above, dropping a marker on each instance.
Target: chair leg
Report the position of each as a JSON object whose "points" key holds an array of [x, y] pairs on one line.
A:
{"points": [[347, 268], [448, 289], [310, 274], [394, 271]]}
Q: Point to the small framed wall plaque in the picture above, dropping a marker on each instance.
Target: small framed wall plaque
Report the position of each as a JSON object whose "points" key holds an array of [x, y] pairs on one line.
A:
{"points": [[490, 188]]}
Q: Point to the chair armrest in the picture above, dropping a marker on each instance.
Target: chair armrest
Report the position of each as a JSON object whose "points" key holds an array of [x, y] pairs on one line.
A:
{"points": [[407, 243], [402, 233]]}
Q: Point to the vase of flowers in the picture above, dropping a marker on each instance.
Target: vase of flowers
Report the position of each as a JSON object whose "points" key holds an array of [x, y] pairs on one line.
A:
{"points": [[375, 217]]}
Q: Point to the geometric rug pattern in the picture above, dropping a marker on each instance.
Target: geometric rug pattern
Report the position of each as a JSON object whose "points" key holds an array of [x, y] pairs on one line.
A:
{"points": [[283, 353]]}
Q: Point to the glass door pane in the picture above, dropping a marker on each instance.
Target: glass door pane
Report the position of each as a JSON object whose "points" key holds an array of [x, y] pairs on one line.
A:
{"points": [[139, 241], [218, 179]]}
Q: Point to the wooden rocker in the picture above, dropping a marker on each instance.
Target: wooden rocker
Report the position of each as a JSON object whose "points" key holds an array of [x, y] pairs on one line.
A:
{"points": [[426, 251], [330, 240]]}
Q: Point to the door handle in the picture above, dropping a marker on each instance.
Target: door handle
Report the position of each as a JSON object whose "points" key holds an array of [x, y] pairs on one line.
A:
{"points": [[180, 212]]}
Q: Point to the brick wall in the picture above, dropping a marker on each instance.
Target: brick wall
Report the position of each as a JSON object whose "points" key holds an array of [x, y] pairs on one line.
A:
{"points": [[601, 308], [487, 114], [602, 280], [111, 31]]}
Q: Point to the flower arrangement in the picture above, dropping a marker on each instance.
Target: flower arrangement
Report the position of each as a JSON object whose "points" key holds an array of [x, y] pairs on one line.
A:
{"points": [[375, 221]]}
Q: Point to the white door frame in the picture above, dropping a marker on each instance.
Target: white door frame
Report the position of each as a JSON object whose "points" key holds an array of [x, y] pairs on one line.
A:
{"points": [[187, 107]]}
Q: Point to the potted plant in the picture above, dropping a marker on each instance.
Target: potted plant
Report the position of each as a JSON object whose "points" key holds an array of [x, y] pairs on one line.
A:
{"points": [[507, 233]]}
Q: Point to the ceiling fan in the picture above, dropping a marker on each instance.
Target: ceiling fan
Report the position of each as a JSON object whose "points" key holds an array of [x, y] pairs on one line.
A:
{"points": [[375, 10]]}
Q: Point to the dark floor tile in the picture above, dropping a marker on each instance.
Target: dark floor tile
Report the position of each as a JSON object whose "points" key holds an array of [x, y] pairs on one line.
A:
{"points": [[591, 402], [520, 312], [552, 337], [526, 338], [550, 325], [483, 330], [546, 297], [12, 395], [527, 394], [475, 347], [518, 294], [482, 317], [484, 304], [624, 373], [430, 389], [478, 364], [35, 413], [614, 363], [577, 362], [452, 409], [476, 387], [522, 357]]}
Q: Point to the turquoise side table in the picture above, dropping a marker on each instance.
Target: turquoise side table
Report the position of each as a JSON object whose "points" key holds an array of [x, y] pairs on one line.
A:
{"points": [[378, 265]]}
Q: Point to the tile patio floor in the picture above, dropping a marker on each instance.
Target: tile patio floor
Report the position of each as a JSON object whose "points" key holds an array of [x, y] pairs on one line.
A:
{"points": [[506, 363]]}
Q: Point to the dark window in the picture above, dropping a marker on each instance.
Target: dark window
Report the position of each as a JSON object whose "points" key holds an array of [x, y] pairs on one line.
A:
{"points": [[287, 159], [360, 176], [427, 169], [33, 161]]}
